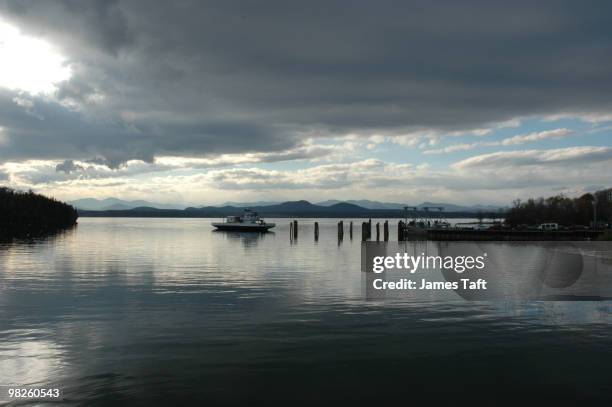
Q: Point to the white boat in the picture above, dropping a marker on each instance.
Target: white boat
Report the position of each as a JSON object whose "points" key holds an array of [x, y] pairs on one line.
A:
{"points": [[248, 222]]}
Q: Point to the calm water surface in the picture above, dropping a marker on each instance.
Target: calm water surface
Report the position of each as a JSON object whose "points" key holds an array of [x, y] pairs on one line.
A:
{"points": [[141, 311]]}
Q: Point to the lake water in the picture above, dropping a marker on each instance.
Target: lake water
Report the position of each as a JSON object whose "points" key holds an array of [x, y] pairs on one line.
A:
{"points": [[143, 311]]}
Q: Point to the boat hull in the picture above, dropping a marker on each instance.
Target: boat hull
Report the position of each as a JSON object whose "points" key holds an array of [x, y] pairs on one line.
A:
{"points": [[242, 227]]}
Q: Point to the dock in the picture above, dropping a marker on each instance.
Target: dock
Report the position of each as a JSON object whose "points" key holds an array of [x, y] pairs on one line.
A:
{"points": [[406, 232], [511, 235]]}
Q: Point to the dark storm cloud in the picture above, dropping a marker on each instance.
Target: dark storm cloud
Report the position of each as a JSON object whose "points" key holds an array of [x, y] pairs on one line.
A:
{"points": [[68, 166], [66, 133], [202, 78]]}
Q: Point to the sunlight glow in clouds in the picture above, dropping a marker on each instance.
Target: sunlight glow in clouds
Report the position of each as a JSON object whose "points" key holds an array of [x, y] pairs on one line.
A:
{"points": [[28, 64]]}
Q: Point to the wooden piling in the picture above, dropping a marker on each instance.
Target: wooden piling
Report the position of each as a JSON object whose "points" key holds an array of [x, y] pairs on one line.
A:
{"points": [[316, 231], [400, 231], [295, 229], [370, 228], [351, 230], [364, 231], [340, 230], [377, 231], [290, 230], [386, 231]]}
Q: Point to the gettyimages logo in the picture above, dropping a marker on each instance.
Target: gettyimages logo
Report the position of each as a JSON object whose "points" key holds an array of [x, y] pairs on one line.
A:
{"points": [[413, 264], [498, 270]]}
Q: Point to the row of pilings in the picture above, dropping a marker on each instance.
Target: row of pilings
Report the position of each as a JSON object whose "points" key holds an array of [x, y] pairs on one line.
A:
{"points": [[366, 231], [404, 233]]}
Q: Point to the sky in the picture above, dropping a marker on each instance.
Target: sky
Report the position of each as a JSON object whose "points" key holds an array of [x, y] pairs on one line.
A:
{"points": [[202, 102]]}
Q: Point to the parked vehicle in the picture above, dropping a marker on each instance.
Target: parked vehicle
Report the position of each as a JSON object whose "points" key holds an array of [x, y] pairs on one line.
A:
{"points": [[548, 226]]}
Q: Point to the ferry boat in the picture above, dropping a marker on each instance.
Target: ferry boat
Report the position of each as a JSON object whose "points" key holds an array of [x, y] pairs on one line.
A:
{"points": [[248, 222]]}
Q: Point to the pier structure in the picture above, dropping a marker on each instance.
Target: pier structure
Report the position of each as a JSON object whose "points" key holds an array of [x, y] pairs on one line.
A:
{"points": [[441, 231], [511, 235], [432, 220]]}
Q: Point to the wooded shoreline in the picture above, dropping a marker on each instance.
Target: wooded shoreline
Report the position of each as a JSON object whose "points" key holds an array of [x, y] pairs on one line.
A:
{"points": [[26, 214]]}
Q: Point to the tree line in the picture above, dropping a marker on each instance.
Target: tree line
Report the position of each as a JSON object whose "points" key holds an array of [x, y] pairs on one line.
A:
{"points": [[561, 209], [27, 213]]}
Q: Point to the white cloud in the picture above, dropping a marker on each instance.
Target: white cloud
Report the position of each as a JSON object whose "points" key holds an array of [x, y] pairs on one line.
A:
{"points": [[537, 136], [566, 156], [453, 148], [308, 150], [515, 140], [492, 178], [588, 117]]}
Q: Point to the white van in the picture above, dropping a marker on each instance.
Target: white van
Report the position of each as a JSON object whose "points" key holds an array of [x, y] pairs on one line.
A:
{"points": [[549, 226]]}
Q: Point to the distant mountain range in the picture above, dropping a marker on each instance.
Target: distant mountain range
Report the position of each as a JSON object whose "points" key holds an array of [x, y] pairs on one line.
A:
{"points": [[364, 203], [285, 209], [248, 204], [367, 204], [114, 204]]}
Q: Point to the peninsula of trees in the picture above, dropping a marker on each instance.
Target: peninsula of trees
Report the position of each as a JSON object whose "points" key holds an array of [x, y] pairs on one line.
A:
{"points": [[25, 214], [560, 209]]}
